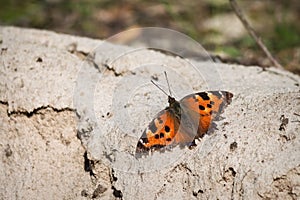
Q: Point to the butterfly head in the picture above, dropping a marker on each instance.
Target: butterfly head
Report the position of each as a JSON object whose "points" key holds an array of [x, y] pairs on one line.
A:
{"points": [[171, 100], [174, 105]]}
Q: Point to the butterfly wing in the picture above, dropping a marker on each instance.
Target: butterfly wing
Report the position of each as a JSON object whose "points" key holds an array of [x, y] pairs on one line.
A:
{"points": [[159, 133], [203, 108], [183, 122]]}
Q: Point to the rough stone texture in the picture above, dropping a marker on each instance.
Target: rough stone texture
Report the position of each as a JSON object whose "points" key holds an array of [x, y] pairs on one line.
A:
{"points": [[55, 105], [41, 157]]}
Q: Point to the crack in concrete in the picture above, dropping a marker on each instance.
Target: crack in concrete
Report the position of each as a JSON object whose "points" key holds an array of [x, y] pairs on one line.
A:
{"points": [[89, 165], [89, 57], [117, 193], [35, 110], [233, 185], [4, 103], [111, 69]]}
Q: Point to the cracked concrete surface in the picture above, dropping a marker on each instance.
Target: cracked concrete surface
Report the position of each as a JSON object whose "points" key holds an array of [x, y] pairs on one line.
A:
{"points": [[70, 123]]}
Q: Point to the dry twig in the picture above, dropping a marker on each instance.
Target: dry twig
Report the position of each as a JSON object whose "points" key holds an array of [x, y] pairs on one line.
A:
{"points": [[251, 31]]}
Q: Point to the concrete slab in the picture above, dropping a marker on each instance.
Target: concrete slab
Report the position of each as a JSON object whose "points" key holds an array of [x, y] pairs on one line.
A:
{"points": [[58, 101]]}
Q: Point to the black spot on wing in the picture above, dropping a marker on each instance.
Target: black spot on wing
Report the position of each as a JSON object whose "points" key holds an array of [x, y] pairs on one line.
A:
{"points": [[201, 107], [161, 135], [156, 136], [167, 129], [209, 105], [203, 95], [169, 139]]}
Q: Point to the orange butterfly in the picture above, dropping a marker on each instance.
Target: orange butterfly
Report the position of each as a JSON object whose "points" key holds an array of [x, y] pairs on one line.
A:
{"points": [[183, 121]]}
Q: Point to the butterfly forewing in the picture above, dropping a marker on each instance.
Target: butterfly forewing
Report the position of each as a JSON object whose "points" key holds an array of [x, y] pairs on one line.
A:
{"points": [[160, 132], [209, 105]]}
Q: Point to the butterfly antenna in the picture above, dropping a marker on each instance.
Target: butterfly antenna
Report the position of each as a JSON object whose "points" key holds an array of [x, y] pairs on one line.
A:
{"points": [[168, 83], [159, 87]]}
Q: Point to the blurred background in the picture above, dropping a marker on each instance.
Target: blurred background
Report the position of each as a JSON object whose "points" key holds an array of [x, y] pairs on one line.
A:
{"points": [[210, 22]]}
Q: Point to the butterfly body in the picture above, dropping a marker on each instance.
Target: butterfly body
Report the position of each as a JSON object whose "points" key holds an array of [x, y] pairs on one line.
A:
{"points": [[183, 121]]}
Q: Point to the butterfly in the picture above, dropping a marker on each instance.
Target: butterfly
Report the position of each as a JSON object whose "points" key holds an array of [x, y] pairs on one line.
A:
{"points": [[184, 121]]}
